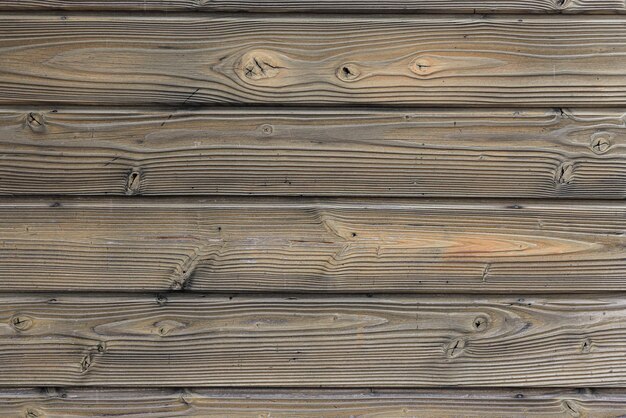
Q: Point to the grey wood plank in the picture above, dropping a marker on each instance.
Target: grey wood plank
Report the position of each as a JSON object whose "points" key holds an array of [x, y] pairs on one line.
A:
{"points": [[348, 341], [335, 403], [516, 153], [360, 6], [312, 245], [183, 60]]}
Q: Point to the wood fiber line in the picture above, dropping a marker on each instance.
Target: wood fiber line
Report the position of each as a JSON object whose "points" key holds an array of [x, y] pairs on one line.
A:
{"points": [[462, 153], [365, 6], [184, 60], [157, 403], [309, 245], [121, 340]]}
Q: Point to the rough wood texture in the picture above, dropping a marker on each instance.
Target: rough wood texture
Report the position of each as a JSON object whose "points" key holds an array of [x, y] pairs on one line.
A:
{"points": [[367, 6], [121, 340], [60, 403], [311, 245], [184, 60], [501, 153]]}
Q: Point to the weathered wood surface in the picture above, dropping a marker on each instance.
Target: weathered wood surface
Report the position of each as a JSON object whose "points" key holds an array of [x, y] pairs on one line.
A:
{"points": [[442, 153], [366, 6], [183, 60], [177, 340], [312, 245], [336, 403]]}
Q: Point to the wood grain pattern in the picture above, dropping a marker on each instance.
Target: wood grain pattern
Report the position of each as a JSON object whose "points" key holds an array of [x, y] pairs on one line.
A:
{"points": [[184, 60], [436, 153], [336, 403], [311, 245], [361, 6], [178, 340]]}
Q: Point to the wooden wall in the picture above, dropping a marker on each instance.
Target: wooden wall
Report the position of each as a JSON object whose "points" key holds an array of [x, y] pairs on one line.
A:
{"points": [[312, 208]]}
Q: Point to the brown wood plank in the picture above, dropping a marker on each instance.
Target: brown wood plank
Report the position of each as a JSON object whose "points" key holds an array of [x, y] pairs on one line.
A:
{"points": [[156, 403], [312, 245], [366, 6], [183, 60], [436, 153], [179, 340]]}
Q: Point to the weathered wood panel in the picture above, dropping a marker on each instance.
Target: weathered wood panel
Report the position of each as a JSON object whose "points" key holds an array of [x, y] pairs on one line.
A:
{"points": [[120, 340], [183, 60], [368, 6], [311, 245], [61, 403], [502, 153]]}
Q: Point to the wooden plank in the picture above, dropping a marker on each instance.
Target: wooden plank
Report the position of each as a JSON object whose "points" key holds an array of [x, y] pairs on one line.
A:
{"points": [[436, 153], [183, 60], [307, 245], [178, 340], [61, 403], [361, 6]]}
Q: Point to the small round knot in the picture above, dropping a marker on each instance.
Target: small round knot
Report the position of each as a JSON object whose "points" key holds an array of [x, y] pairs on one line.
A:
{"points": [[585, 346], [258, 65], [564, 173], [161, 300], [36, 122], [348, 72], [422, 66], [177, 285], [455, 348], [267, 129], [480, 323], [21, 322], [600, 142], [33, 413], [168, 326], [133, 182], [571, 408]]}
